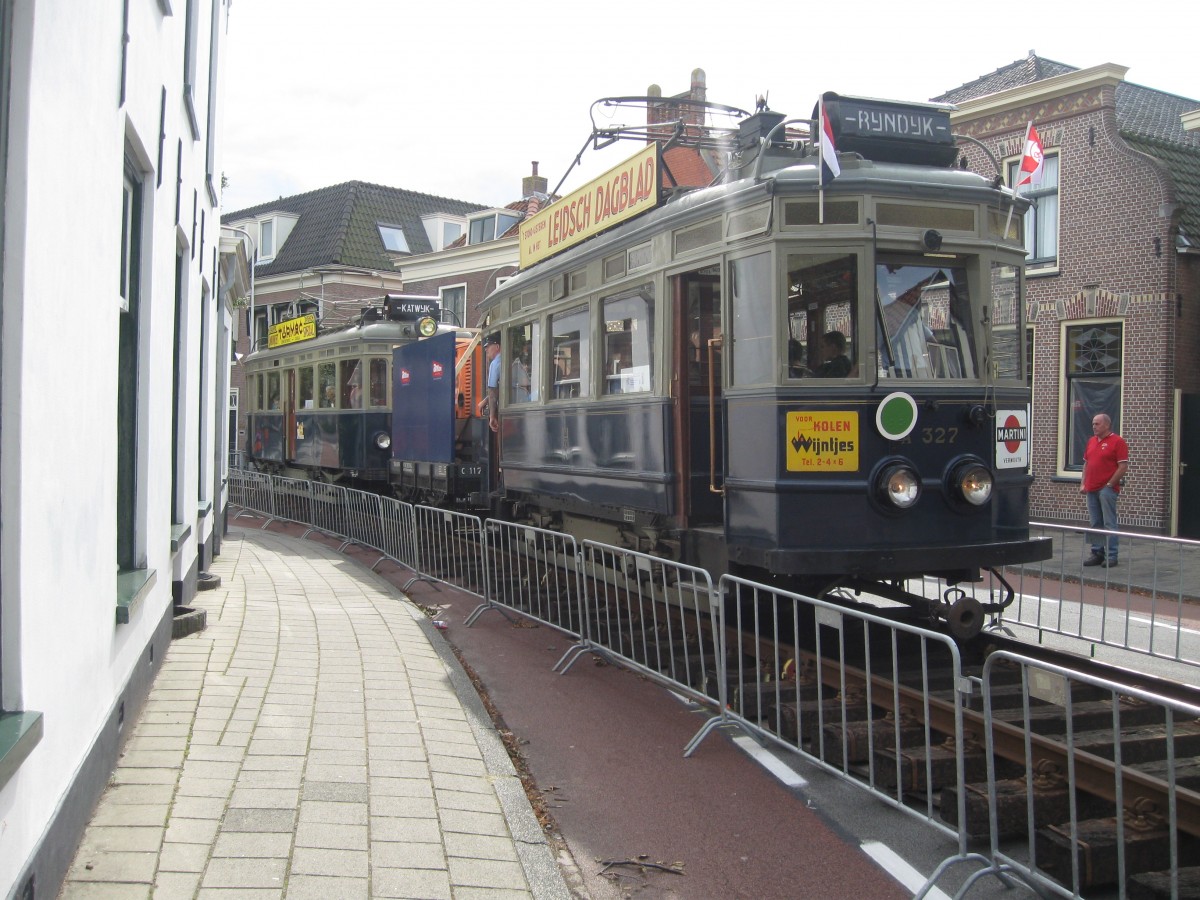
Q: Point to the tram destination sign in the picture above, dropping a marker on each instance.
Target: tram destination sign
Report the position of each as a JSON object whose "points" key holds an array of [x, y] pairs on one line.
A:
{"points": [[619, 194], [891, 131], [302, 328]]}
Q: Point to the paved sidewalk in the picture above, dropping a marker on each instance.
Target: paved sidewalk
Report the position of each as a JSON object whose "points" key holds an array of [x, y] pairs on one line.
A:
{"points": [[317, 740]]}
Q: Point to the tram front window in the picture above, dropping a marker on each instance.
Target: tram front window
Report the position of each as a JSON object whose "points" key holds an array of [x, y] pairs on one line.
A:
{"points": [[822, 296], [925, 322]]}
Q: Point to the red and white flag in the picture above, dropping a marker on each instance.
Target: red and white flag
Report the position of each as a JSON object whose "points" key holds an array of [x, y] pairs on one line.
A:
{"points": [[830, 168], [1032, 160]]}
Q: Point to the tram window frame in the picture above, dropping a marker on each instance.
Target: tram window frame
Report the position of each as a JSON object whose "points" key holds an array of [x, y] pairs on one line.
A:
{"points": [[350, 383], [525, 346], [628, 338], [574, 348], [378, 381], [1005, 321], [753, 314], [305, 388], [259, 388], [327, 385], [274, 392], [809, 319], [925, 346]]}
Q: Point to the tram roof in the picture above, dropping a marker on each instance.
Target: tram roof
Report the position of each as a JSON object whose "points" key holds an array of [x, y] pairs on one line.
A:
{"points": [[793, 178]]}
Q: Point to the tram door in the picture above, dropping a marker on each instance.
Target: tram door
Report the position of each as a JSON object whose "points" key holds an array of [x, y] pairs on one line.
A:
{"points": [[289, 415], [699, 415]]}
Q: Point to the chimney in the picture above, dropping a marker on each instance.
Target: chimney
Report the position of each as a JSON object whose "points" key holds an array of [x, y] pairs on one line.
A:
{"points": [[534, 184]]}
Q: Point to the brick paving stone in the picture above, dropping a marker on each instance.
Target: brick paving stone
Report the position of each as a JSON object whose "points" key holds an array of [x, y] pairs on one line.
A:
{"points": [[458, 765], [264, 798], [386, 828], [338, 863], [408, 855], [240, 894], [80, 890], [333, 813], [114, 865], [244, 873], [130, 814], [473, 802], [252, 844], [338, 791], [176, 857], [336, 774], [318, 887], [259, 820], [480, 846], [401, 787], [466, 822], [331, 837], [487, 873], [198, 808], [425, 883], [191, 831], [404, 807], [101, 839], [176, 885], [489, 893], [145, 776]]}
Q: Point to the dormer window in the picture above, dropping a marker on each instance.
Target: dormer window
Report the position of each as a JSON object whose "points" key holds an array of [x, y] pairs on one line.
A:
{"points": [[491, 226], [266, 239], [443, 230], [393, 237]]}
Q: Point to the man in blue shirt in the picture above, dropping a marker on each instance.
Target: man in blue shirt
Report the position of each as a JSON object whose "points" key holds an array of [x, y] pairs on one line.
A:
{"points": [[491, 347]]}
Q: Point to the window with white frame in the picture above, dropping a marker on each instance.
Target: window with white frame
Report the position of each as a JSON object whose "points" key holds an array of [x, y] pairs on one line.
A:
{"points": [[453, 300], [1092, 367], [1041, 222], [491, 226], [266, 240]]}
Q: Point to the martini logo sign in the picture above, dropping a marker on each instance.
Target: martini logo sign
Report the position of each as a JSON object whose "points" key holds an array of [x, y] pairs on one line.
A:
{"points": [[1012, 438]]}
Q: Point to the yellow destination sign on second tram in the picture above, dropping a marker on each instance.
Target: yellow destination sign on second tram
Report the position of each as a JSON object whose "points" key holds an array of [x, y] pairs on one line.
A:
{"points": [[299, 329], [619, 193], [822, 442]]}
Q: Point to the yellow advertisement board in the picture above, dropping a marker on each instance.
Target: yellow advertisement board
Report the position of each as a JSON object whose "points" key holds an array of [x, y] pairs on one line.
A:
{"points": [[301, 328], [621, 192], [822, 442]]}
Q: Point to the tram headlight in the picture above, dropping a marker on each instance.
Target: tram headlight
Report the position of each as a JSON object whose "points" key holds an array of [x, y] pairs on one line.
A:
{"points": [[383, 440], [427, 326], [899, 485], [973, 483]]}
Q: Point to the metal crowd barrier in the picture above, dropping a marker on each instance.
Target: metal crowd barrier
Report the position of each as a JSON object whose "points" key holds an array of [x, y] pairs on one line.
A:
{"points": [[894, 727], [399, 530], [1081, 811], [533, 572], [654, 616], [448, 547]]}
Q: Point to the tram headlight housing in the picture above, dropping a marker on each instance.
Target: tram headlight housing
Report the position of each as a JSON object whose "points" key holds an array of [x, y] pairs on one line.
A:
{"points": [[427, 326], [383, 440], [972, 481], [898, 485]]}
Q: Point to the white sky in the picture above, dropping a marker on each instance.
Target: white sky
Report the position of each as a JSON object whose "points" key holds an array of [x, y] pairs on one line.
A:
{"points": [[456, 99]]}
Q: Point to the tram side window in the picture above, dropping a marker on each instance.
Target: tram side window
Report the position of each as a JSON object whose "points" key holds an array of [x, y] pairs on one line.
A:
{"points": [[753, 326], [925, 322], [258, 393], [304, 398], [524, 343], [822, 296], [629, 343], [272, 390], [570, 343], [326, 386], [350, 384], [379, 382], [1004, 315]]}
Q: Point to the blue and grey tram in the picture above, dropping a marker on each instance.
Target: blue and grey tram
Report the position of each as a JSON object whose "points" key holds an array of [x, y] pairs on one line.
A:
{"points": [[818, 384]]}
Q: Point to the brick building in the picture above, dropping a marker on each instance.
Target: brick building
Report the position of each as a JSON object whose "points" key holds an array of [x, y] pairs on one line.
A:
{"points": [[1113, 283]]}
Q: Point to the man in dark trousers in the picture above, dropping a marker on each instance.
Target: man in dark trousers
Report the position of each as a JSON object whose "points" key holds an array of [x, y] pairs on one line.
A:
{"points": [[1105, 461]]}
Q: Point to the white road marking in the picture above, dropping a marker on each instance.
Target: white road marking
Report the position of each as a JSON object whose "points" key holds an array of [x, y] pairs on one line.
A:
{"points": [[899, 869], [769, 761]]}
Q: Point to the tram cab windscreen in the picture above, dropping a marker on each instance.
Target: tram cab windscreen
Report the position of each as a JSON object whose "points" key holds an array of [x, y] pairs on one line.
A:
{"points": [[924, 322]]}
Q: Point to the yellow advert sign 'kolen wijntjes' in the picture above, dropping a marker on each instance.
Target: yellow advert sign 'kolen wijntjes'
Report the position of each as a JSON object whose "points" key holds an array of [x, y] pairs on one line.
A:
{"points": [[822, 442], [299, 329], [621, 192]]}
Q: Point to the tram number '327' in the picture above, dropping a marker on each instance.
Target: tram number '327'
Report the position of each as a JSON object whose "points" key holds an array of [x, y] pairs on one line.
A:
{"points": [[939, 435]]}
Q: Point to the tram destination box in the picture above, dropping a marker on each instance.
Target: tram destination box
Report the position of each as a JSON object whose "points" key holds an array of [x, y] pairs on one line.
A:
{"points": [[891, 131]]}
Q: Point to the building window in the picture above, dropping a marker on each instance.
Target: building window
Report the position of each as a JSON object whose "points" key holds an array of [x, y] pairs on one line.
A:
{"points": [[1093, 370], [393, 237], [266, 240], [191, 30], [454, 304], [491, 226], [1041, 222], [128, 365]]}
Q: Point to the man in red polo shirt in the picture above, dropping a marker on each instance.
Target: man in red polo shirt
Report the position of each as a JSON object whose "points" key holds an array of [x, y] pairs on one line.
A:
{"points": [[1105, 461]]}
